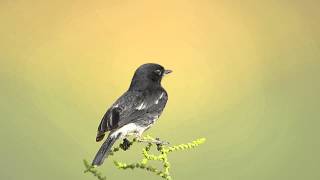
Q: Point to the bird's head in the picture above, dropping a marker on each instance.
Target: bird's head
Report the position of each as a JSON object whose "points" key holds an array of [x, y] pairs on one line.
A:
{"points": [[148, 76]]}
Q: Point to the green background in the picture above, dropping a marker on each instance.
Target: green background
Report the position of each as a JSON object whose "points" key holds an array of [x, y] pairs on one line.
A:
{"points": [[246, 77]]}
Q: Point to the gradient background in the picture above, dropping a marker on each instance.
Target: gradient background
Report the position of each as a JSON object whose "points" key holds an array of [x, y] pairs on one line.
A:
{"points": [[246, 77]]}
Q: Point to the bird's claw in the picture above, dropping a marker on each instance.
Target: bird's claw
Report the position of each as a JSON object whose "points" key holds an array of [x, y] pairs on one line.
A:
{"points": [[156, 141], [162, 142]]}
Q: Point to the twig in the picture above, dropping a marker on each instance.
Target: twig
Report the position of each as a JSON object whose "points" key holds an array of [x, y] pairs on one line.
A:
{"points": [[162, 157]]}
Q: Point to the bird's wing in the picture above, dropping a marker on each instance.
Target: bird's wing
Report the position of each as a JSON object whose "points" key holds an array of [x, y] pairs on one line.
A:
{"points": [[149, 108], [130, 107], [158, 104], [122, 108]]}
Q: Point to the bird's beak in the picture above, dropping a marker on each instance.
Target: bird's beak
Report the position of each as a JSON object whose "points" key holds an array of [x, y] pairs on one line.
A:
{"points": [[167, 71]]}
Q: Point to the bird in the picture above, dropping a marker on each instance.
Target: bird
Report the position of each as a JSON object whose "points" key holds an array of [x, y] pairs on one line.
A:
{"points": [[135, 111]]}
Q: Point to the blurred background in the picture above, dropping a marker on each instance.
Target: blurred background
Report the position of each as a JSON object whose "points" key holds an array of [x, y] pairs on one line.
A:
{"points": [[246, 77]]}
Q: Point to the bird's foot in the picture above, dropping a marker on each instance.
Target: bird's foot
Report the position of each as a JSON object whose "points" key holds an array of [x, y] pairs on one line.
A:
{"points": [[156, 141], [161, 142], [125, 145]]}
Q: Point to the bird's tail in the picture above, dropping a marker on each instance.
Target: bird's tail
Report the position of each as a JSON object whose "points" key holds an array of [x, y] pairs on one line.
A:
{"points": [[105, 149]]}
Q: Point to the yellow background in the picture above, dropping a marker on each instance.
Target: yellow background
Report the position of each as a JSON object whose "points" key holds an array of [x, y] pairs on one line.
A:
{"points": [[246, 77]]}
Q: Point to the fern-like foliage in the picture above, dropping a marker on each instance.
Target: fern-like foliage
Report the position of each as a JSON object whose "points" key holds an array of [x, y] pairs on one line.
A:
{"points": [[143, 164]]}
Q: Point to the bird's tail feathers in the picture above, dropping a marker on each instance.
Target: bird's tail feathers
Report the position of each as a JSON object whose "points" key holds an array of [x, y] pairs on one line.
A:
{"points": [[105, 149]]}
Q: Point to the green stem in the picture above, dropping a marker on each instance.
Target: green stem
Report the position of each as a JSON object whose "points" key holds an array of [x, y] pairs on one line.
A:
{"points": [[162, 157]]}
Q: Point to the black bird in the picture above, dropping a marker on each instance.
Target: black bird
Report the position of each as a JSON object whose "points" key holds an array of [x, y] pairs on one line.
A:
{"points": [[135, 111]]}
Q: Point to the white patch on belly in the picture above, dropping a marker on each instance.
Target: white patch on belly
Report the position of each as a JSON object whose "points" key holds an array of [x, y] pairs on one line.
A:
{"points": [[130, 128]]}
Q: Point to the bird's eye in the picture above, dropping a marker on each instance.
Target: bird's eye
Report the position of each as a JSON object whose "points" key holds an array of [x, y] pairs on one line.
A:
{"points": [[158, 71]]}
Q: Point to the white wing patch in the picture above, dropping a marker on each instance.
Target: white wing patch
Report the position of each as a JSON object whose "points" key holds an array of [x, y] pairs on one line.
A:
{"points": [[157, 101], [141, 106]]}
